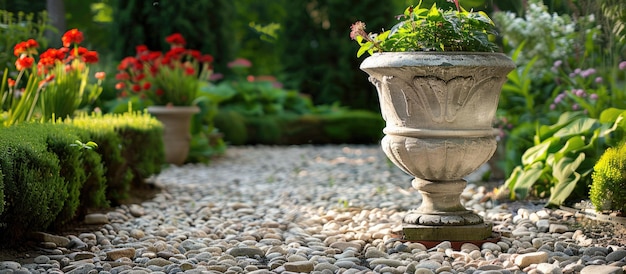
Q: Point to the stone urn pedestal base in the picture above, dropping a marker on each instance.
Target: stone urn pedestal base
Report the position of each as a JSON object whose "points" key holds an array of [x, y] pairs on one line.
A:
{"points": [[417, 233], [442, 216]]}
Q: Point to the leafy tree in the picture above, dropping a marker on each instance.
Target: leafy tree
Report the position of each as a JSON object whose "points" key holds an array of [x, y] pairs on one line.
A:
{"points": [[318, 56]]}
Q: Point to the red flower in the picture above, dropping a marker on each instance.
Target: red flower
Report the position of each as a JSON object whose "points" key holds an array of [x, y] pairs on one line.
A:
{"points": [[159, 92], [122, 76], [141, 49], [175, 53], [31, 43], [24, 63], [100, 75], [139, 77], [53, 54], [90, 57], [120, 85], [10, 82], [20, 48], [147, 85], [126, 62], [176, 40], [195, 53], [190, 70], [136, 88], [47, 80], [207, 58], [72, 36]]}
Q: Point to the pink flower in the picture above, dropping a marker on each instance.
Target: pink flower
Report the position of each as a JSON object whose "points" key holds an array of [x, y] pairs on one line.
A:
{"points": [[593, 96], [586, 73], [599, 79], [240, 62], [622, 65], [357, 29]]}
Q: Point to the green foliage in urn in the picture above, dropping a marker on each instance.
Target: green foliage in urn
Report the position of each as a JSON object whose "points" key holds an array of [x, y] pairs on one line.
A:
{"points": [[608, 190], [433, 29]]}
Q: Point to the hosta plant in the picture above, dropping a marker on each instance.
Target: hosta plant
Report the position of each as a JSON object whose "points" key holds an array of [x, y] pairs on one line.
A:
{"points": [[562, 159], [431, 29]]}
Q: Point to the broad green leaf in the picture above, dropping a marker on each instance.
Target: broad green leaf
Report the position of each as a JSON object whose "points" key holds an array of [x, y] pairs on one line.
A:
{"points": [[562, 190], [609, 115], [566, 118], [565, 167], [582, 126], [572, 145], [383, 36], [362, 50], [527, 179], [536, 153]]}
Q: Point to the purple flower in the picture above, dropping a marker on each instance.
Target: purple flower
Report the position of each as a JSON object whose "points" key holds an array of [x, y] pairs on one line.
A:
{"points": [[586, 73], [559, 98], [599, 80], [552, 106], [557, 63], [622, 65], [579, 92], [593, 96], [577, 71], [572, 75], [575, 106]]}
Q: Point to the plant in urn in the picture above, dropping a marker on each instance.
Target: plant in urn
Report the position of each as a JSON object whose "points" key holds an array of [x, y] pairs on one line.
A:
{"points": [[438, 79]]}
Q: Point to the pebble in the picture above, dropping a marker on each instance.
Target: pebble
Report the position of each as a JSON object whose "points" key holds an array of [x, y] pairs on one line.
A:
{"points": [[616, 255], [307, 209]]}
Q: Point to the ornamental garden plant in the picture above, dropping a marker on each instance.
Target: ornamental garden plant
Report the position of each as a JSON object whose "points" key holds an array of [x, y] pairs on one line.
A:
{"points": [[165, 78], [433, 29], [55, 86]]}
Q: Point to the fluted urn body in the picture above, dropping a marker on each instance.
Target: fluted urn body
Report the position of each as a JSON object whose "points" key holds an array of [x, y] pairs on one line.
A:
{"points": [[439, 109]]}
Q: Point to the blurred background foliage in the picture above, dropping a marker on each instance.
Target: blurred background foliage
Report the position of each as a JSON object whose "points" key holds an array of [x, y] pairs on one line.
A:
{"points": [[303, 43]]}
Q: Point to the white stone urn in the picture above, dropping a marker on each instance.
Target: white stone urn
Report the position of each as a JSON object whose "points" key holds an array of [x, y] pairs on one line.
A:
{"points": [[439, 109]]}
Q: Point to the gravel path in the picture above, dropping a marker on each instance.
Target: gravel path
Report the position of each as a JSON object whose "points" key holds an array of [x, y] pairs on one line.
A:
{"points": [[312, 209]]}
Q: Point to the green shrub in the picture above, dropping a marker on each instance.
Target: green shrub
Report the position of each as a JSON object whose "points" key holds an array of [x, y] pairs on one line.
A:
{"points": [[118, 174], [131, 146], [608, 190], [1, 193], [355, 127], [233, 126], [34, 190], [81, 167], [336, 127]]}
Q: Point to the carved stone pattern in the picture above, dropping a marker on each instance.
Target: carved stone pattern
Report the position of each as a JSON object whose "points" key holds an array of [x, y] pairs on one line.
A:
{"points": [[461, 218]]}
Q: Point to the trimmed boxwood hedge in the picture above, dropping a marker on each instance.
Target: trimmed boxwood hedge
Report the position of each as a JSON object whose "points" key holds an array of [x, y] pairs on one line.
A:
{"points": [[341, 127], [50, 177]]}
